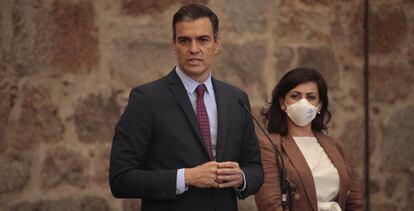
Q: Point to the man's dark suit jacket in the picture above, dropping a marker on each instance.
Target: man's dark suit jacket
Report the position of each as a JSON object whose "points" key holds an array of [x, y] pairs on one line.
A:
{"points": [[158, 133]]}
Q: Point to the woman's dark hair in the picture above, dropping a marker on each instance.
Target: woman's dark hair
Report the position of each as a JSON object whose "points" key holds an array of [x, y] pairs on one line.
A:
{"points": [[194, 12], [275, 118]]}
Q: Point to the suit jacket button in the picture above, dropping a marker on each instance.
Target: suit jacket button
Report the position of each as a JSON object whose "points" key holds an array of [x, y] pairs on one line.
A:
{"points": [[348, 192]]}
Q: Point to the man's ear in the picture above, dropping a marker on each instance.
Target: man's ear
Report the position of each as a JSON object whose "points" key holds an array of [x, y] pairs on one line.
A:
{"points": [[217, 44], [173, 46]]}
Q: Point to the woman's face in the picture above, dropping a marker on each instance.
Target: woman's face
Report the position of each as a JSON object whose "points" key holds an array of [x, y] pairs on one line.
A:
{"points": [[308, 90]]}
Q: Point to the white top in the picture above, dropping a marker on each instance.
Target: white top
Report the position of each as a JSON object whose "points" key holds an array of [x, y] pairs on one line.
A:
{"points": [[325, 174]]}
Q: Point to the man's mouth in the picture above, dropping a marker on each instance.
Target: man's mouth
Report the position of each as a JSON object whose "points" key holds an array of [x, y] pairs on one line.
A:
{"points": [[194, 61]]}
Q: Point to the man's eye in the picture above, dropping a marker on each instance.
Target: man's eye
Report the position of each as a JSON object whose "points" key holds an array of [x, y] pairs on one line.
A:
{"points": [[183, 41], [204, 39]]}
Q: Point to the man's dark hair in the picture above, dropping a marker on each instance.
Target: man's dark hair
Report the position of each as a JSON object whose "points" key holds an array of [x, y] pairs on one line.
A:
{"points": [[275, 118], [193, 12]]}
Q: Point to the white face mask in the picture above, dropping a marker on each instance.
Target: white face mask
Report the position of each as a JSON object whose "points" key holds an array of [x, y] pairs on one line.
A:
{"points": [[302, 112]]}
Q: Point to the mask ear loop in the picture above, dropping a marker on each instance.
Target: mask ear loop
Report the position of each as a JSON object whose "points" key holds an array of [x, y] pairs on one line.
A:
{"points": [[285, 104], [319, 111]]}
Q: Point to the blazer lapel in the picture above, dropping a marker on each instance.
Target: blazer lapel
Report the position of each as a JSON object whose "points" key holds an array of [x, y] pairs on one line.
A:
{"points": [[335, 156], [178, 90], [301, 166], [221, 118]]}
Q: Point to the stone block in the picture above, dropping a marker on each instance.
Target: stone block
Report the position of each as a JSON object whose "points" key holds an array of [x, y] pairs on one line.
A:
{"points": [[386, 82], [241, 65], [247, 16], [353, 138], [23, 53], [139, 7], [388, 28], [293, 24], [85, 203], [284, 57], [38, 119], [396, 143], [73, 36], [64, 165], [57, 36], [356, 29], [204, 2], [323, 60], [93, 203], [141, 61], [95, 119], [6, 103], [391, 186], [15, 171], [22, 206], [102, 167], [318, 2], [410, 193]]}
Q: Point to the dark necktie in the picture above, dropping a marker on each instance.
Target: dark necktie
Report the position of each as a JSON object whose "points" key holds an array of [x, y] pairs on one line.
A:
{"points": [[203, 121]]}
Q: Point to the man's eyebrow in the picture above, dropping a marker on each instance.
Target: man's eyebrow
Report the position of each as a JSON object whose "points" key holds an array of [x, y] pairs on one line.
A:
{"points": [[198, 37], [203, 36], [183, 37]]}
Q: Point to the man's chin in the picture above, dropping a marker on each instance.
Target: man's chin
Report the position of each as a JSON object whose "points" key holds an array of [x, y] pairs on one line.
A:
{"points": [[195, 70]]}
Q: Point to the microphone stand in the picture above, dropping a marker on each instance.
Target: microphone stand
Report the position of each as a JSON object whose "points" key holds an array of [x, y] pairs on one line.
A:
{"points": [[287, 188]]}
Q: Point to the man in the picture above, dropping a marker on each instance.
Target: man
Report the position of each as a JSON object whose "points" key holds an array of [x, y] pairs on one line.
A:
{"points": [[183, 141]]}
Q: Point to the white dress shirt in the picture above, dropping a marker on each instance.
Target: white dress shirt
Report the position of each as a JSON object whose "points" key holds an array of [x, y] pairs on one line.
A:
{"points": [[324, 173], [190, 86]]}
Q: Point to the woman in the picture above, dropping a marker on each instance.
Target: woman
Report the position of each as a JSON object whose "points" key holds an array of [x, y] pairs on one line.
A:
{"points": [[315, 163]]}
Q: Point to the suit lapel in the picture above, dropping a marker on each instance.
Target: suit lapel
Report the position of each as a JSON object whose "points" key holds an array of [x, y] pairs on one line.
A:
{"points": [[178, 90], [335, 157], [301, 166], [221, 118]]}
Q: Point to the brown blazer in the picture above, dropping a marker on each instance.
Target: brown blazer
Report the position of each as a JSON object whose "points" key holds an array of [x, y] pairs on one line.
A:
{"points": [[269, 198]]}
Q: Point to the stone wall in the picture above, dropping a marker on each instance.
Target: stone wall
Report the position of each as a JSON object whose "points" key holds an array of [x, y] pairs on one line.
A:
{"points": [[67, 66]]}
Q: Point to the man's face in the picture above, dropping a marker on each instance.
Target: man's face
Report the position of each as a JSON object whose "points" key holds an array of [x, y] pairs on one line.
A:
{"points": [[195, 47]]}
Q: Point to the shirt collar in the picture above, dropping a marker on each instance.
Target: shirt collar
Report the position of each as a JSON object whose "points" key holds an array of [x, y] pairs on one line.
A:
{"points": [[190, 84]]}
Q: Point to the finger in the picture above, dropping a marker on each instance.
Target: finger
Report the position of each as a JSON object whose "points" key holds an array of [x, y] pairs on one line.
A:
{"points": [[222, 171], [209, 167], [212, 169], [211, 163], [228, 178], [229, 184], [228, 164], [213, 184]]}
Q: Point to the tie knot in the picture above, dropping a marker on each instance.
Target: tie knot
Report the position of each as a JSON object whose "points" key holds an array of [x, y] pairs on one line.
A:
{"points": [[200, 90]]}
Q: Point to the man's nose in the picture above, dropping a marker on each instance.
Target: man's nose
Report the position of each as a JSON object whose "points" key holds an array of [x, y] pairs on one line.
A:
{"points": [[194, 47]]}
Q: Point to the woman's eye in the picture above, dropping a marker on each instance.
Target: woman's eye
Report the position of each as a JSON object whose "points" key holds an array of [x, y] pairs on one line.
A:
{"points": [[294, 96]]}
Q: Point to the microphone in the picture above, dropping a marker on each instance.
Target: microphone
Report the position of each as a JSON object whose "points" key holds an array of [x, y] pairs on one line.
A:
{"points": [[284, 183]]}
